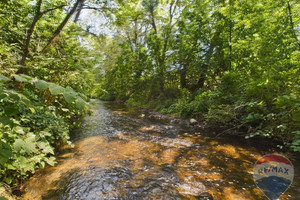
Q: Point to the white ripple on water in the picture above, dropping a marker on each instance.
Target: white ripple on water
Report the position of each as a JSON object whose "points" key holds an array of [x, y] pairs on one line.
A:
{"points": [[191, 188], [172, 142]]}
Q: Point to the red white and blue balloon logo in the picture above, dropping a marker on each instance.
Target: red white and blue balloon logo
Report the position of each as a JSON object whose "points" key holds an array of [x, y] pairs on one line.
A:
{"points": [[273, 174]]}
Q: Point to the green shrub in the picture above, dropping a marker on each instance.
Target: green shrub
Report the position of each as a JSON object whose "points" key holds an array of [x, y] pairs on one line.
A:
{"points": [[34, 119]]}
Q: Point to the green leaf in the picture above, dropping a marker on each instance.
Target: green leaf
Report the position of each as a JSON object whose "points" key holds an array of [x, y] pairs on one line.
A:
{"points": [[45, 133], [69, 97], [30, 146], [15, 96], [28, 78], [11, 167], [46, 148], [19, 130], [6, 121], [18, 144], [11, 110], [5, 152], [85, 98], [42, 164], [51, 161], [26, 164], [56, 89], [80, 103], [8, 180], [32, 109], [20, 78], [25, 100], [42, 85], [3, 95], [4, 78]]}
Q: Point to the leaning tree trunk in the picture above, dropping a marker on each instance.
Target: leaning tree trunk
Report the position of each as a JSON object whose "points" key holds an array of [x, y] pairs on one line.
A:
{"points": [[38, 15], [78, 12], [30, 31], [62, 25]]}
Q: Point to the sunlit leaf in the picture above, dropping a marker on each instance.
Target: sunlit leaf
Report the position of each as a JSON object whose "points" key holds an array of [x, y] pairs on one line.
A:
{"points": [[4, 78], [56, 89], [80, 103], [42, 85], [51, 161], [20, 78]]}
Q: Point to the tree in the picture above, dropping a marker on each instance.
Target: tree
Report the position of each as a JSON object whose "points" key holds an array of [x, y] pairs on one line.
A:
{"points": [[63, 24], [37, 16]]}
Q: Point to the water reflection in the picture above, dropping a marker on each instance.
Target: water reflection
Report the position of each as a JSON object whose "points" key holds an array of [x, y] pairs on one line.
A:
{"points": [[120, 155]]}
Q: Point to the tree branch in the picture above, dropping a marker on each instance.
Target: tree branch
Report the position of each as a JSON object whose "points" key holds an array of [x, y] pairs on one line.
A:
{"points": [[51, 9], [62, 25], [95, 8]]}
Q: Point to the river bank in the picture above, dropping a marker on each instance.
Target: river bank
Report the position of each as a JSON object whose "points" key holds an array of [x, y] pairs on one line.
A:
{"points": [[215, 131]]}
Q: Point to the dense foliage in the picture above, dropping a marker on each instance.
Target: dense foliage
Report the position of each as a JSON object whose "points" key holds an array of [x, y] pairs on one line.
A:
{"points": [[234, 64], [44, 83]]}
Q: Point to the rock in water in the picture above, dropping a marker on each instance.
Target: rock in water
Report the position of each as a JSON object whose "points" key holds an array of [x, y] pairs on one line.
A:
{"points": [[193, 121], [204, 196]]}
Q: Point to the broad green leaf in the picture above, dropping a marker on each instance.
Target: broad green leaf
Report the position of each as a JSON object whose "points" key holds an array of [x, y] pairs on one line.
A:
{"points": [[56, 89], [18, 144], [51, 161], [20, 78], [11, 110], [5, 120], [45, 133], [42, 85], [11, 167], [28, 78], [8, 180], [69, 97], [85, 98], [3, 95], [30, 146], [19, 130], [15, 96], [4, 156], [46, 148], [42, 164], [4, 78], [80, 103], [25, 164], [25, 100], [5, 152]]}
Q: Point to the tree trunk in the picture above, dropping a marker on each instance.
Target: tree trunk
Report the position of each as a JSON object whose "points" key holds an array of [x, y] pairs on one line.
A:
{"points": [[78, 12], [230, 36], [36, 18], [62, 25], [183, 77], [201, 81]]}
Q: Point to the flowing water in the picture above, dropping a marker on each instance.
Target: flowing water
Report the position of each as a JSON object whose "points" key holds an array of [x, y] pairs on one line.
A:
{"points": [[126, 153]]}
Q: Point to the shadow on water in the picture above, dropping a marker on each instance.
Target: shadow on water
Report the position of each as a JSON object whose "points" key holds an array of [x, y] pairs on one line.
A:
{"points": [[122, 153]]}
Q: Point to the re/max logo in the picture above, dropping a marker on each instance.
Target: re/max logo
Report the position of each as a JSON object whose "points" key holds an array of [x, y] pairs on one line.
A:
{"points": [[277, 169]]}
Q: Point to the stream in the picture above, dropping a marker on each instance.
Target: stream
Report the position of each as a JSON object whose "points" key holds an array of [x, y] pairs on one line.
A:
{"points": [[121, 152]]}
